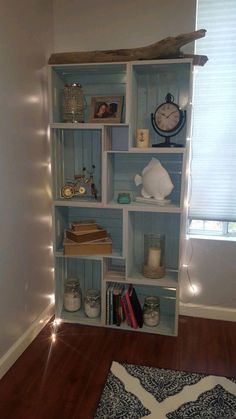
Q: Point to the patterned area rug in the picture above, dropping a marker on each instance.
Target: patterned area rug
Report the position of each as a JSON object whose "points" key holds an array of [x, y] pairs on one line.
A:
{"points": [[134, 392]]}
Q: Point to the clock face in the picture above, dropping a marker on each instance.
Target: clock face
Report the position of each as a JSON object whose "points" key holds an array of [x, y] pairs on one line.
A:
{"points": [[167, 117]]}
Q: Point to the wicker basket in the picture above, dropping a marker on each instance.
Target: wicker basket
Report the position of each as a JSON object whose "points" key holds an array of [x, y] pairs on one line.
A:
{"points": [[154, 273], [73, 103]]}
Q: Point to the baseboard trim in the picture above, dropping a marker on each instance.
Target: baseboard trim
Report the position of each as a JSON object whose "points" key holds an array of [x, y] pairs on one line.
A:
{"points": [[10, 357], [208, 312]]}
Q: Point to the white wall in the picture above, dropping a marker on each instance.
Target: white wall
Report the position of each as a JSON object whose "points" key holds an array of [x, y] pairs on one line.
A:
{"points": [[26, 279], [102, 24], [211, 272]]}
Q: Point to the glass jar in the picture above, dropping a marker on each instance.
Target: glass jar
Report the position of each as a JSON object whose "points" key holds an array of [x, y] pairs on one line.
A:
{"points": [[73, 103], [72, 295], [154, 255], [151, 311], [92, 303]]}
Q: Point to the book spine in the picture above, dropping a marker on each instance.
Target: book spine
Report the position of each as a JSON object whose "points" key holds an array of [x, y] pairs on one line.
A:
{"points": [[133, 318], [137, 309], [107, 303], [111, 304], [126, 310]]}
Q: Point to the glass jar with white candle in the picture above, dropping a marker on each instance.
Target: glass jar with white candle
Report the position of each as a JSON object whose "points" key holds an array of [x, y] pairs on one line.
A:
{"points": [[92, 303], [151, 311], [154, 255], [72, 295]]}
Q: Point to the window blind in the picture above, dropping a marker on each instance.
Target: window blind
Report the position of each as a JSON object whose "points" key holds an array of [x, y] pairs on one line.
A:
{"points": [[213, 166]]}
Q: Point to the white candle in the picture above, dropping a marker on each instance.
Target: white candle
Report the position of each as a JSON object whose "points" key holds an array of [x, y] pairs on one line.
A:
{"points": [[142, 138], [154, 257]]}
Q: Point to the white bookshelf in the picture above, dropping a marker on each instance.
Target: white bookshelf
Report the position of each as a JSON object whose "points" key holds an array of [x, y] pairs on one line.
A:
{"points": [[112, 148]]}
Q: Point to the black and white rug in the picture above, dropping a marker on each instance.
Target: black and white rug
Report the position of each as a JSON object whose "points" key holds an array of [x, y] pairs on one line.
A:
{"points": [[134, 392]]}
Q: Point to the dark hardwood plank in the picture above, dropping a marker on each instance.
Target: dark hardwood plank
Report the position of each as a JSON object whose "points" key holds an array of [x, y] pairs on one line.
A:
{"points": [[64, 380]]}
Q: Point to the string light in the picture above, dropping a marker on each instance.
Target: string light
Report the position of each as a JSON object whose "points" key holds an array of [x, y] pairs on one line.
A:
{"points": [[54, 325], [32, 99], [52, 298], [57, 322], [194, 289]]}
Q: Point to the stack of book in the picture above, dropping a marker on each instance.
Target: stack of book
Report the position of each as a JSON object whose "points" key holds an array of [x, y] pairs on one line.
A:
{"points": [[86, 238], [123, 305]]}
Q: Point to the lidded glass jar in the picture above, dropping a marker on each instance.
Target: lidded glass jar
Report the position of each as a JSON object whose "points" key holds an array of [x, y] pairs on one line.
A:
{"points": [[151, 311], [92, 303], [72, 295]]}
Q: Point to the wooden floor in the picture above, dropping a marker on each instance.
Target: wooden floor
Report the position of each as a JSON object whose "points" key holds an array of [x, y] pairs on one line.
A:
{"points": [[64, 380]]}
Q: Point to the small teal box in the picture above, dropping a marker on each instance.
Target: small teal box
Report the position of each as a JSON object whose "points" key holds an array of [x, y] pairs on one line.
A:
{"points": [[124, 198]]}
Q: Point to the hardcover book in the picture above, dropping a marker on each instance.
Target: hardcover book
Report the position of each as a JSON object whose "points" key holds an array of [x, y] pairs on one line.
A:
{"points": [[86, 236], [137, 309], [86, 225], [134, 322], [126, 309]]}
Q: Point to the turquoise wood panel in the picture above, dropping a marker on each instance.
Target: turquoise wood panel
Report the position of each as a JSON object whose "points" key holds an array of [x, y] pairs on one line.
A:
{"points": [[119, 138], [87, 271], [123, 168], [143, 223], [115, 265]]}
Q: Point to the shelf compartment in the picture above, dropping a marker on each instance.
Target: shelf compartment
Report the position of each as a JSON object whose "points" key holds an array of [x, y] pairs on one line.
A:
{"points": [[95, 79], [168, 308], [150, 85], [169, 280], [116, 138], [110, 219], [122, 168], [114, 269], [88, 272], [72, 150], [140, 223]]}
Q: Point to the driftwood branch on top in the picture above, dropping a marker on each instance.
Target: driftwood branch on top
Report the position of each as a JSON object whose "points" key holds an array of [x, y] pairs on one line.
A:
{"points": [[165, 49]]}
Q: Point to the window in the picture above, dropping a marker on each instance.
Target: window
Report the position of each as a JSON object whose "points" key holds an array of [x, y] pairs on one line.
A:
{"points": [[212, 228], [213, 166]]}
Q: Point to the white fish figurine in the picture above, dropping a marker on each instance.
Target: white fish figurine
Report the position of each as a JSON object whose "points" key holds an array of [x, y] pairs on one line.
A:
{"points": [[156, 181]]}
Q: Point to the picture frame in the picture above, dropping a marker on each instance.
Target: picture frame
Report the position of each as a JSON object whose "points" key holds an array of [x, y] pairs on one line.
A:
{"points": [[106, 109]]}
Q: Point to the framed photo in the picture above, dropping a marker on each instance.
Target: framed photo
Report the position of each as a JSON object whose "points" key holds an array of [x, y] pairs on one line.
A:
{"points": [[106, 109]]}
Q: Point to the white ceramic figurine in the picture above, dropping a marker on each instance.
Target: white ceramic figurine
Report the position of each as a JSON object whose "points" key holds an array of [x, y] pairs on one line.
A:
{"points": [[156, 181]]}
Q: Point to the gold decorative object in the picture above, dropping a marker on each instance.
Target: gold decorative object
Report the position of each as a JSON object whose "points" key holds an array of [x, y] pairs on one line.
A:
{"points": [[73, 103], [82, 185]]}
